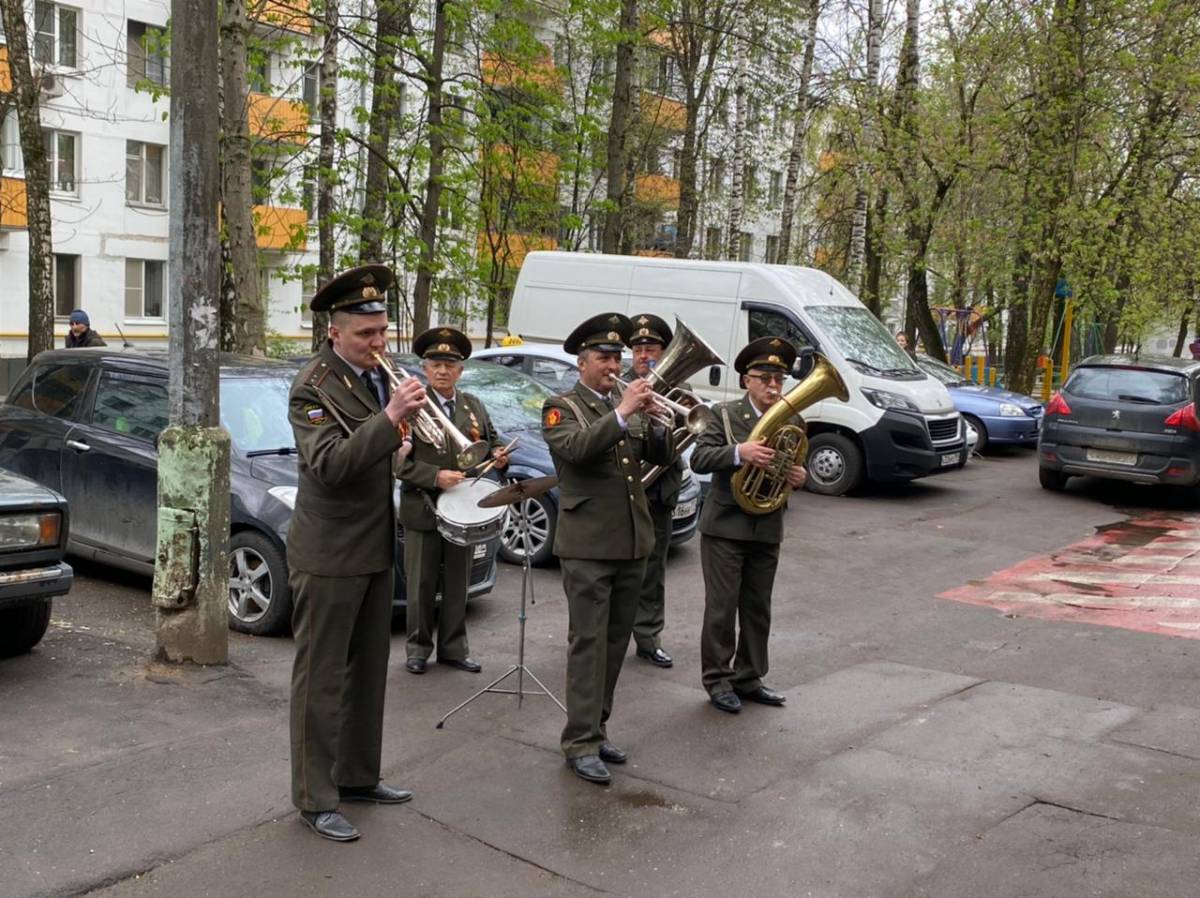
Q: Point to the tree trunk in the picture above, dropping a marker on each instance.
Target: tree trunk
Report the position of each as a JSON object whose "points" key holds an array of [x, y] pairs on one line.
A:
{"points": [[431, 206], [872, 279], [327, 177], [618, 129], [385, 109], [237, 196], [689, 200], [737, 193], [858, 223], [37, 179], [799, 133]]}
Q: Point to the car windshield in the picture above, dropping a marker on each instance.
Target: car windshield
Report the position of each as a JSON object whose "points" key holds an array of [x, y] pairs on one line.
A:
{"points": [[1128, 385], [255, 412], [942, 372], [513, 400], [862, 340]]}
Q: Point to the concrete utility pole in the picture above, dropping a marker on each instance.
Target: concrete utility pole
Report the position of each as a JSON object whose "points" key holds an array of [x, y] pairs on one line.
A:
{"points": [[191, 574]]}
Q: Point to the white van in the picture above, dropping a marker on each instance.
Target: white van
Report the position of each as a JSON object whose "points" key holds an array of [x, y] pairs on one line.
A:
{"points": [[897, 425]]}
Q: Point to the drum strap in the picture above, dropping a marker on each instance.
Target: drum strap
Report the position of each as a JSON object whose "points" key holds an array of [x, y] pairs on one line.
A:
{"points": [[333, 410], [728, 426], [583, 422]]}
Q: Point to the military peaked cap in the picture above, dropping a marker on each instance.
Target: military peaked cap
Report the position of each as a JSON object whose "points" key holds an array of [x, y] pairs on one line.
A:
{"points": [[766, 352], [649, 329], [361, 290], [608, 332], [442, 343]]}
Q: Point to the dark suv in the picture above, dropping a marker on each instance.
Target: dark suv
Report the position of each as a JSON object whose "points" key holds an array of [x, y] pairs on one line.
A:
{"points": [[85, 422], [1123, 417]]}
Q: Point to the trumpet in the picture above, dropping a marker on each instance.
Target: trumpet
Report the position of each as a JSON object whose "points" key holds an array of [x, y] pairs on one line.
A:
{"points": [[665, 410], [431, 424]]}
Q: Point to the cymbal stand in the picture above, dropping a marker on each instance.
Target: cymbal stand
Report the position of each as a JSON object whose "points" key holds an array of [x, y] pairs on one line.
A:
{"points": [[517, 510]]}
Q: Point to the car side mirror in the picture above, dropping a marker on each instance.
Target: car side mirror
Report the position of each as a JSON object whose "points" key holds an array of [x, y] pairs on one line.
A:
{"points": [[806, 359], [714, 376]]}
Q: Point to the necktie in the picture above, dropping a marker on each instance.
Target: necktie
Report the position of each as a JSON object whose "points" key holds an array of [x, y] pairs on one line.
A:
{"points": [[369, 381], [449, 405]]}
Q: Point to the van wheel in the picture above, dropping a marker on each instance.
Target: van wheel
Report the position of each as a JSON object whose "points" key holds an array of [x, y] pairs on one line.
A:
{"points": [[1052, 480], [834, 465], [23, 626], [260, 600]]}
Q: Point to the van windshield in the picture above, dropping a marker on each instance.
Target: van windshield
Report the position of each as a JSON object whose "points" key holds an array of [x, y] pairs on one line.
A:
{"points": [[863, 341]]}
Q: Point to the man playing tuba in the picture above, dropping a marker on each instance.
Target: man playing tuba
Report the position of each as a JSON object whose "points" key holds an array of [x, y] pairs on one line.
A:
{"points": [[739, 552]]}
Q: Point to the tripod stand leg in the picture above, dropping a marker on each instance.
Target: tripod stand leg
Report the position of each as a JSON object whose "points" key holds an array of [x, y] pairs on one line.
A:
{"points": [[488, 688]]}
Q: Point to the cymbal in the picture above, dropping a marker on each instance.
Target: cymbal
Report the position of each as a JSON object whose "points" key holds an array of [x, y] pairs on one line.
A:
{"points": [[518, 491]]}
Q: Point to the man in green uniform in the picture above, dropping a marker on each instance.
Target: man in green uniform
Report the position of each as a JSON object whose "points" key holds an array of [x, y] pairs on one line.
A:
{"points": [[427, 471], [649, 340], [738, 551], [341, 551], [604, 531]]}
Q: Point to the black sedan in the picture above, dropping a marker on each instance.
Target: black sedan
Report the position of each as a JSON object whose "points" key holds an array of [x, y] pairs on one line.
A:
{"points": [[85, 421], [1123, 417]]}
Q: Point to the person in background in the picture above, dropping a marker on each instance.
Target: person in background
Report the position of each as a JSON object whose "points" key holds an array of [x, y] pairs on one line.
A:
{"points": [[1194, 347], [81, 333]]}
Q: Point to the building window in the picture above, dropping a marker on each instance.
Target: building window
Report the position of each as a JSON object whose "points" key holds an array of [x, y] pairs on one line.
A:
{"points": [[308, 286], [259, 74], [56, 41], [773, 250], [716, 173], [750, 182], [144, 173], [61, 160], [146, 59], [11, 161], [745, 246], [66, 284], [712, 243], [312, 88], [145, 287], [261, 173], [775, 191], [264, 287]]}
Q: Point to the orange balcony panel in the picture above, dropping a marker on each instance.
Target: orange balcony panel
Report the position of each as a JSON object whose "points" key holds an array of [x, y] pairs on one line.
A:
{"points": [[13, 211], [5, 74], [501, 72], [538, 166], [278, 118], [663, 112], [281, 228], [290, 14], [654, 253], [511, 249], [657, 190]]}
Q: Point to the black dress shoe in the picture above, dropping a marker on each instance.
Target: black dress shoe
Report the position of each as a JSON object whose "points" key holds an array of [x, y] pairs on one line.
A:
{"points": [[764, 696], [415, 665], [379, 793], [726, 701], [658, 657], [330, 825], [610, 754], [470, 665], [590, 768]]}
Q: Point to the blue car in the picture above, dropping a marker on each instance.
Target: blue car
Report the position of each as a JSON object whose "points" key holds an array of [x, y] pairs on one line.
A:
{"points": [[995, 415]]}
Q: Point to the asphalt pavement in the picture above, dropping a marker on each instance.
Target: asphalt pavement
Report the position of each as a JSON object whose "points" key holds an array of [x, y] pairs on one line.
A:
{"points": [[929, 747]]}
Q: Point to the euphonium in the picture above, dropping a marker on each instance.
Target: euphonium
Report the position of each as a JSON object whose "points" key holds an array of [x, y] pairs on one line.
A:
{"points": [[764, 490]]}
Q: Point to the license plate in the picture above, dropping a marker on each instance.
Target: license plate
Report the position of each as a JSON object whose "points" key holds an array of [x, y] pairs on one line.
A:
{"points": [[480, 551], [684, 510], [1112, 458], [950, 459]]}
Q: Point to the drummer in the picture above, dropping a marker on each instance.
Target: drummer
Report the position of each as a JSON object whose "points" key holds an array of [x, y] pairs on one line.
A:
{"points": [[429, 559]]}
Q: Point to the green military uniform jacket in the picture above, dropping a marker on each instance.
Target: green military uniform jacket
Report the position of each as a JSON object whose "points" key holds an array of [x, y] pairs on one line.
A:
{"points": [[344, 523], [418, 472], [602, 507], [714, 454]]}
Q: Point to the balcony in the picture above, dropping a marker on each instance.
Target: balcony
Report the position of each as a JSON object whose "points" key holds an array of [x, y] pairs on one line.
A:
{"points": [[5, 74], [291, 15], [13, 211], [511, 249], [280, 228], [501, 72], [277, 118], [656, 190], [663, 112], [537, 166]]}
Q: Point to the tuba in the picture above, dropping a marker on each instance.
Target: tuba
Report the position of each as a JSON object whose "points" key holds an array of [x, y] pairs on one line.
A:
{"points": [[764, 490]]}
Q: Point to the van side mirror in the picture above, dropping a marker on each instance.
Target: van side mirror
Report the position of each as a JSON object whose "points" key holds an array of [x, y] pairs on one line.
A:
{"points": [[714, 376], [805, 360]]}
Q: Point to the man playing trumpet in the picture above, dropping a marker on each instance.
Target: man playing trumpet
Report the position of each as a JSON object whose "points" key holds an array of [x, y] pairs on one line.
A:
{"points": [[739, 552], [604, 531], [428, 470]]}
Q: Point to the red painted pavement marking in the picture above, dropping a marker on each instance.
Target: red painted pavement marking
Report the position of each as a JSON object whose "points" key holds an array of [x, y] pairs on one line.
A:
{"points": [[1142, 574]]}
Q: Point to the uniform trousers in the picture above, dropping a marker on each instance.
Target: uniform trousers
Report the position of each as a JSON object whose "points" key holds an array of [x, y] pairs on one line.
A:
{"points": [[601, 601], [738, 577], [652, 603], [342, 628], [428, 560]]}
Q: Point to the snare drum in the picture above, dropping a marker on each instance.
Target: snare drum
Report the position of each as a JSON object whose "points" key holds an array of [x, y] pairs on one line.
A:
{"points": [[461, 521]]}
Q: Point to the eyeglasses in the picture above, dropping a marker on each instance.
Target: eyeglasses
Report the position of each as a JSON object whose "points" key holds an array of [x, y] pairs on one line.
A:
{"points": [[769, 378]]}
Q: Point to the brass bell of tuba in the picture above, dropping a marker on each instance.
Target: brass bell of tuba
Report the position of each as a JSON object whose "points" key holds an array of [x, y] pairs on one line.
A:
{"points": [[764, 490]]}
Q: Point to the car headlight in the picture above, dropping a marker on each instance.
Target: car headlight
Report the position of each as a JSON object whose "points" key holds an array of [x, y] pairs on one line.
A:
{"points": [[29, 531], [285, 494], [886, 399], [1008, 410]]}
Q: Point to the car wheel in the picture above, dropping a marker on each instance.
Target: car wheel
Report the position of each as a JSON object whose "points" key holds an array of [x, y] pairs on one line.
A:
{"points": [[22, 627], [543, 516], [1051, 479], [834, 464], [981, 436], [260, 600]]}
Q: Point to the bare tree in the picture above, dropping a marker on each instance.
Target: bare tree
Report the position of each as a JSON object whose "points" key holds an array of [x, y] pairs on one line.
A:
{"points": [[858, 223], [799, 132], [737, 194], [326, 174], [619, 127], [432, 74], [385, 108]]}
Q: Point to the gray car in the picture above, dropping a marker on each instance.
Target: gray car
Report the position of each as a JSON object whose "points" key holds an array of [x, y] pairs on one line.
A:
{"points": [[1123, 417]]}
